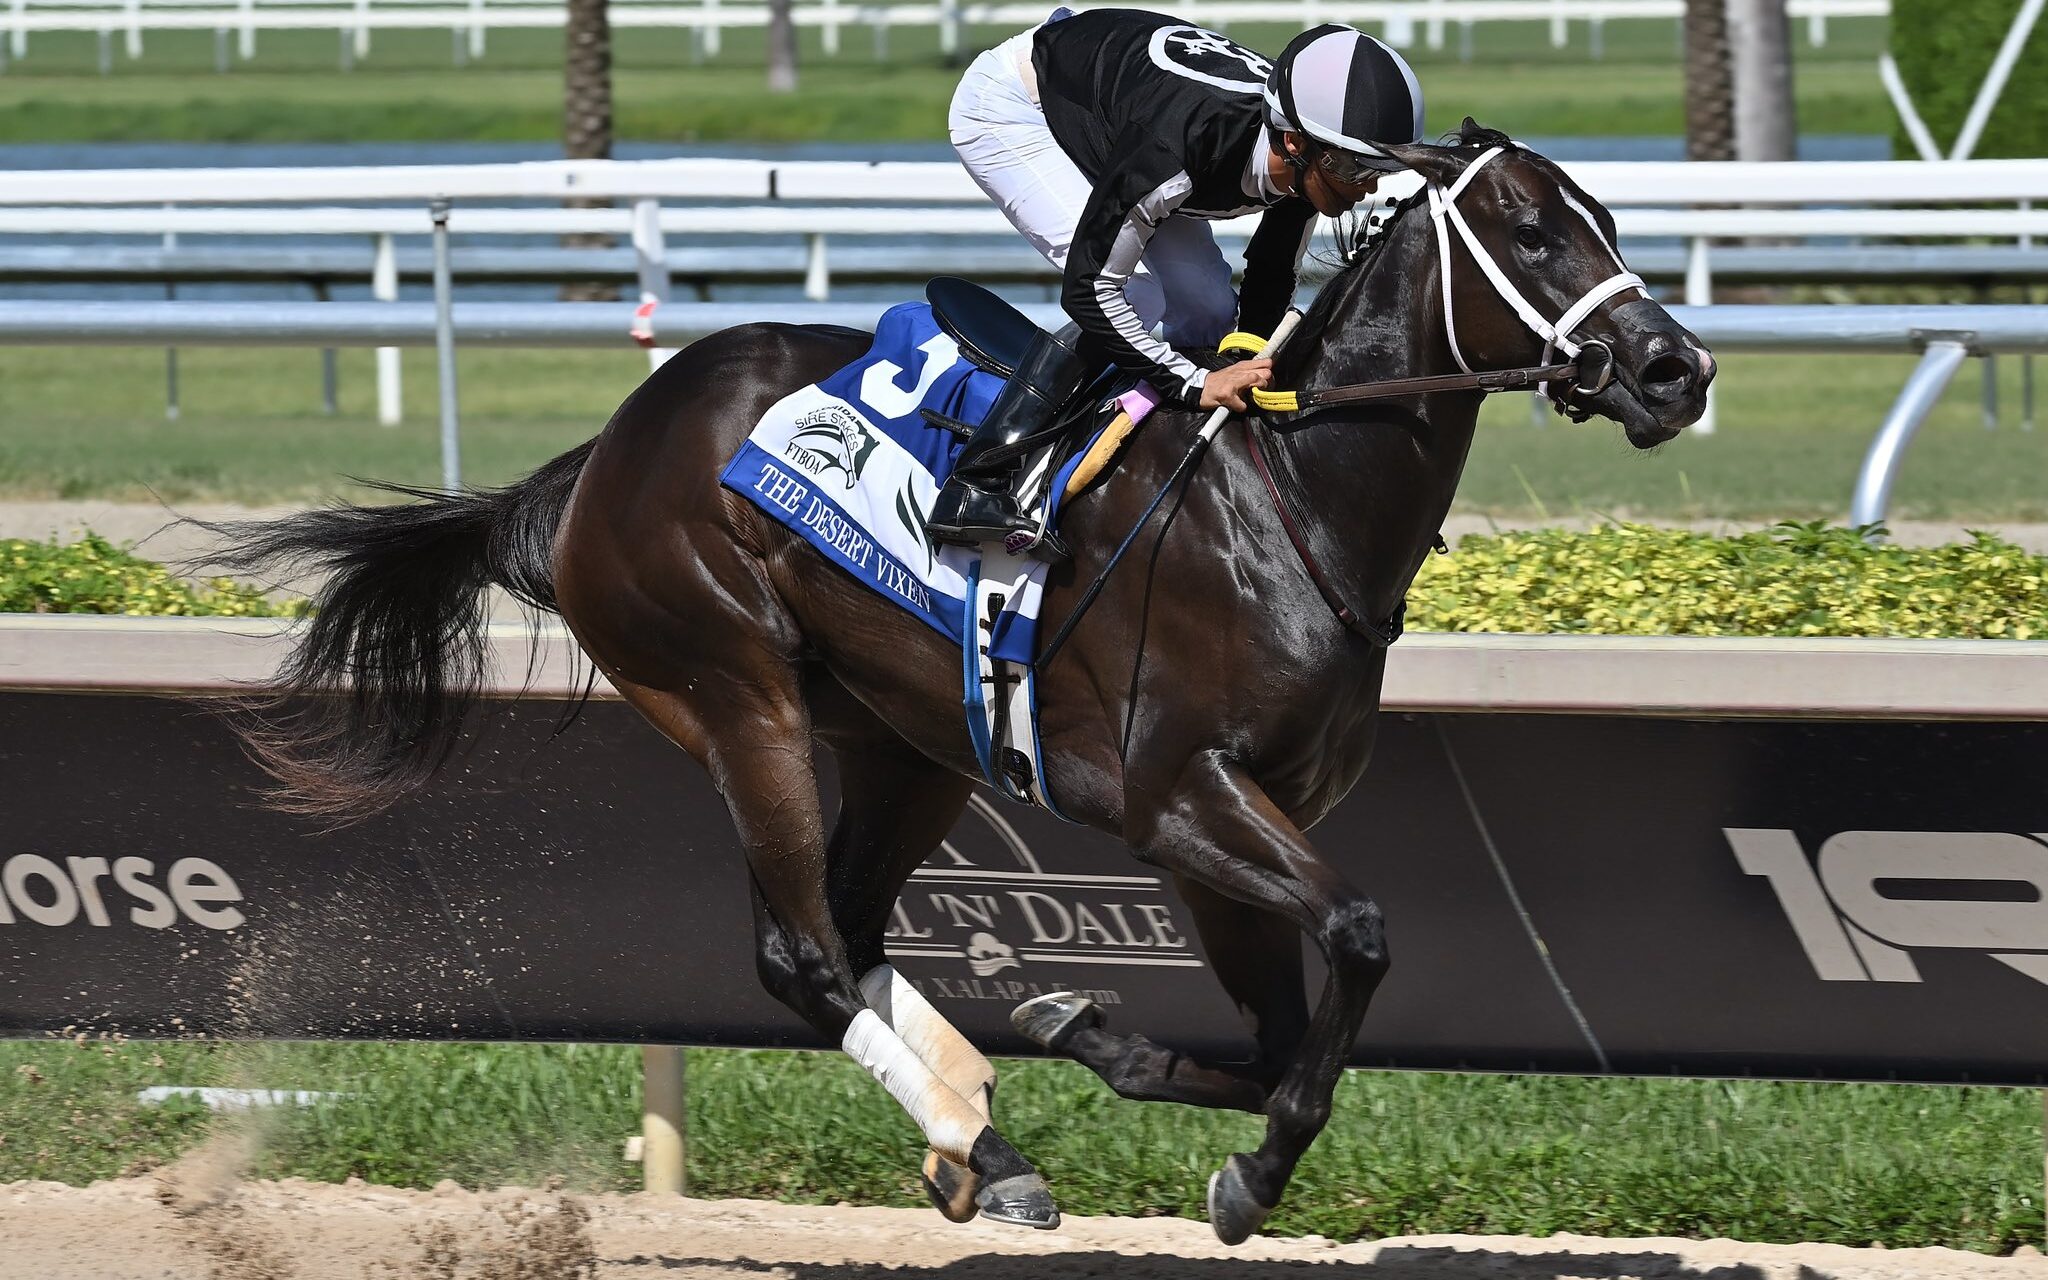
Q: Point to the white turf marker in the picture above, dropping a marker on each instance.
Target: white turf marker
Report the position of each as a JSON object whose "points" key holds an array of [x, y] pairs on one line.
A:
{"points": [[233, 1099], [664, 1120]]}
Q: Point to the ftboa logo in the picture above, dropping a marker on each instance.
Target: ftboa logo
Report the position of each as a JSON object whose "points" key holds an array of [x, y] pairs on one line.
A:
{"points": [[832, 439], [1868, 899], [983, 906], [1195, 54]]}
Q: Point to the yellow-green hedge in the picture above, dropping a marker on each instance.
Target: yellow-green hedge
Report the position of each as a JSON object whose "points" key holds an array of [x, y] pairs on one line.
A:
{"points": [[93, 575], [1617, 579], [1789, 580]]}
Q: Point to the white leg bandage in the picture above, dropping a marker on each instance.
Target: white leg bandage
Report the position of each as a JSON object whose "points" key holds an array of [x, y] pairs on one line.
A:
{"points": [[949, 1124], [928, 1035]]}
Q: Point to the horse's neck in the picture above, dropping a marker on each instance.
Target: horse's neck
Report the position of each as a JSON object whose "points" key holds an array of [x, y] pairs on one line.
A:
{"points": [[1371, 484]]}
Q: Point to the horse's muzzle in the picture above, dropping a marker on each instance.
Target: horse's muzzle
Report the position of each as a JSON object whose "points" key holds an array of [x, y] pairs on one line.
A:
{"points": [[1664, 375]]}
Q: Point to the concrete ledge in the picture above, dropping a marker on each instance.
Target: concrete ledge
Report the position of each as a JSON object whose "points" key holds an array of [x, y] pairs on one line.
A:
{"points": [[1601, 675]]}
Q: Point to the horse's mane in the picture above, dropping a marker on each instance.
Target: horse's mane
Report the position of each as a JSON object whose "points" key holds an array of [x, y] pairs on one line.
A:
{"points": [[1361, 241]]}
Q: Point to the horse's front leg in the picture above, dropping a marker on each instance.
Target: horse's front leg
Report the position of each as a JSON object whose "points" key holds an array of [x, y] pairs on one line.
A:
{"points": [[1218, 827]]}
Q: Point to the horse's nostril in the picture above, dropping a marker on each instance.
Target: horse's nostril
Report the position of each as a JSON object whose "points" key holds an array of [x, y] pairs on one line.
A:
{"points": [[1667, 378]]}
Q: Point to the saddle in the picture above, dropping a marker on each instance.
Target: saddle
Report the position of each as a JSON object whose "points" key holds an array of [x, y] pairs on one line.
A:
{"points": [[990, 332], [992, 336]]}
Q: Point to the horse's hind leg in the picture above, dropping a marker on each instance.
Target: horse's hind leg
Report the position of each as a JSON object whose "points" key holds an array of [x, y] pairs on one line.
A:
{"points": [[752, 732], [1255, 955], [895, 808]]}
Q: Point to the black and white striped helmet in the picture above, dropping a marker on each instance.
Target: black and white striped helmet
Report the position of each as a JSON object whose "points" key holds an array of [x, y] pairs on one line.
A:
{"points": [[1346, 90]]}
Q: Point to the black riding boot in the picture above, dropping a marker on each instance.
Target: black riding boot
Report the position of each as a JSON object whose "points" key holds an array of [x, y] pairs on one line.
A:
{"points": [[978, 503]]}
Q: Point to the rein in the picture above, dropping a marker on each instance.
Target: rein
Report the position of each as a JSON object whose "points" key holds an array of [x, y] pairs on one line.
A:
{"points": [[1590, 372]]}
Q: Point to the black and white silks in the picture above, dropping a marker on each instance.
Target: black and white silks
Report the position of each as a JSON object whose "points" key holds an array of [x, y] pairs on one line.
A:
{"points": [[1166, 120]]}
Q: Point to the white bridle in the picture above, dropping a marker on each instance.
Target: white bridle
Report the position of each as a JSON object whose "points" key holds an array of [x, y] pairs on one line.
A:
{"points": [[1443, 212]]}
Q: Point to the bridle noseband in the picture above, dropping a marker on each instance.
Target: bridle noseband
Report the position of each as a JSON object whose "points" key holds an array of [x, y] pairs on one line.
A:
{"points": [[1589, 365]]}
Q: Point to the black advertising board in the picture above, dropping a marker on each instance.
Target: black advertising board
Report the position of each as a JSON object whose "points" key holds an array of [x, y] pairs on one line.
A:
{"points": [[1849, 899]]}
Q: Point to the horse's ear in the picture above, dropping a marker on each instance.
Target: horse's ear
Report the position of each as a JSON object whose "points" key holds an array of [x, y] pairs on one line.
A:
{"points": [[1440, 165]]}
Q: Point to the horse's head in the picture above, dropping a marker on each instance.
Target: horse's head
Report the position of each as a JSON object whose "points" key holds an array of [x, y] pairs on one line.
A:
{"points": [[1534, 271]]}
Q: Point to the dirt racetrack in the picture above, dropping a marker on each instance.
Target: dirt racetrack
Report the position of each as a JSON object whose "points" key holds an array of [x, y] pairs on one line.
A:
{"points": [[184, 1223]]}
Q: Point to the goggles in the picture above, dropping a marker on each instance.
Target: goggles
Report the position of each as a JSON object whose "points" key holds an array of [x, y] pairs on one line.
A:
{"points": [[1353, 169]]}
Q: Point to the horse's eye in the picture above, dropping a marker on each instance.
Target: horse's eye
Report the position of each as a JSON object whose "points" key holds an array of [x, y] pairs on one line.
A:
{"points": [[1528, 236]]}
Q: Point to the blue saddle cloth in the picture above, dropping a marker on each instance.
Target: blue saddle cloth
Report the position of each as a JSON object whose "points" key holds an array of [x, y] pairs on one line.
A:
{"points": [[850, 464]]}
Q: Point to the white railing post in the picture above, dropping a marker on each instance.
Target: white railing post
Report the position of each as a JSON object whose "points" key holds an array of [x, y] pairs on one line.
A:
{"points": [[650, 260], [949, 27], [1433, 29], [1560, 30], [2027, 360], [444, 351], [817, 268], [171, 409], [1699, 292], [711, 38], [384, 288], [1400, 27], [133, 8], [362, 28], [245, 35], [17, 39], [829, 31], [476, 28], [1817, 28]]}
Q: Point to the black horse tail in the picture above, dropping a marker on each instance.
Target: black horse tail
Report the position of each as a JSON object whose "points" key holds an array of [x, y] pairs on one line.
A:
{"points": [[373, 698]]}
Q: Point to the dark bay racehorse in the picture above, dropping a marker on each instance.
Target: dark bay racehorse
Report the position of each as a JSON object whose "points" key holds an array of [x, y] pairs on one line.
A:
{"points": [[1250, 716]]}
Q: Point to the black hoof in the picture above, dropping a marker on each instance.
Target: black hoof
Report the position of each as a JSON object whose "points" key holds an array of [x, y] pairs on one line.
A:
{"points": [[1049, 1019], [1234, 1212], [1023, 1199], [951, 1187]]}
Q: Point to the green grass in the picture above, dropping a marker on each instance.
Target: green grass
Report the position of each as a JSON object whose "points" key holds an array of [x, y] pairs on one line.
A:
{"points": [[1855, 1164], [292, 90], [78, 423], [1791, 435]]}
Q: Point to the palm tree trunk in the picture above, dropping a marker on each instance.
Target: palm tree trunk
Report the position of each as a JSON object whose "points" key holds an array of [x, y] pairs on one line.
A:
{"points": [[1760, 59], [1709, 84], [587, 118], [781, 48]]}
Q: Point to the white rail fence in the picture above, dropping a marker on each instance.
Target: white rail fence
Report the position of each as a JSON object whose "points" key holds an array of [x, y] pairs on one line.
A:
{"points": [[707, 20], [772, 207]]}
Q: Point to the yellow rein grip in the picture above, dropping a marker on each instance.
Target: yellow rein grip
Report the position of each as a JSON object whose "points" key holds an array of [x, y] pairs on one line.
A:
{"points": [[1270, 401]]}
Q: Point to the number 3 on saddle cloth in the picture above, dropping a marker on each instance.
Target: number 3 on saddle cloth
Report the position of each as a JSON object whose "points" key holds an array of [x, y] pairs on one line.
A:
{"points": [[852, 465]]}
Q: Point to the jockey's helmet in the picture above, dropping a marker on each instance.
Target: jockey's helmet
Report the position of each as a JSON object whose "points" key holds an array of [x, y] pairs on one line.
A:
{"points": [[1350, 94]]}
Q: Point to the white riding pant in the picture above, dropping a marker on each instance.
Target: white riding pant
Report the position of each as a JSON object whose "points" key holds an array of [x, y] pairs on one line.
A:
{"points": [[1000, 134]]}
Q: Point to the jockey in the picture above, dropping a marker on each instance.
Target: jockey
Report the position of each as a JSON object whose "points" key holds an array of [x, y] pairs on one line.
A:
{"points": [[1110, 138]]}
